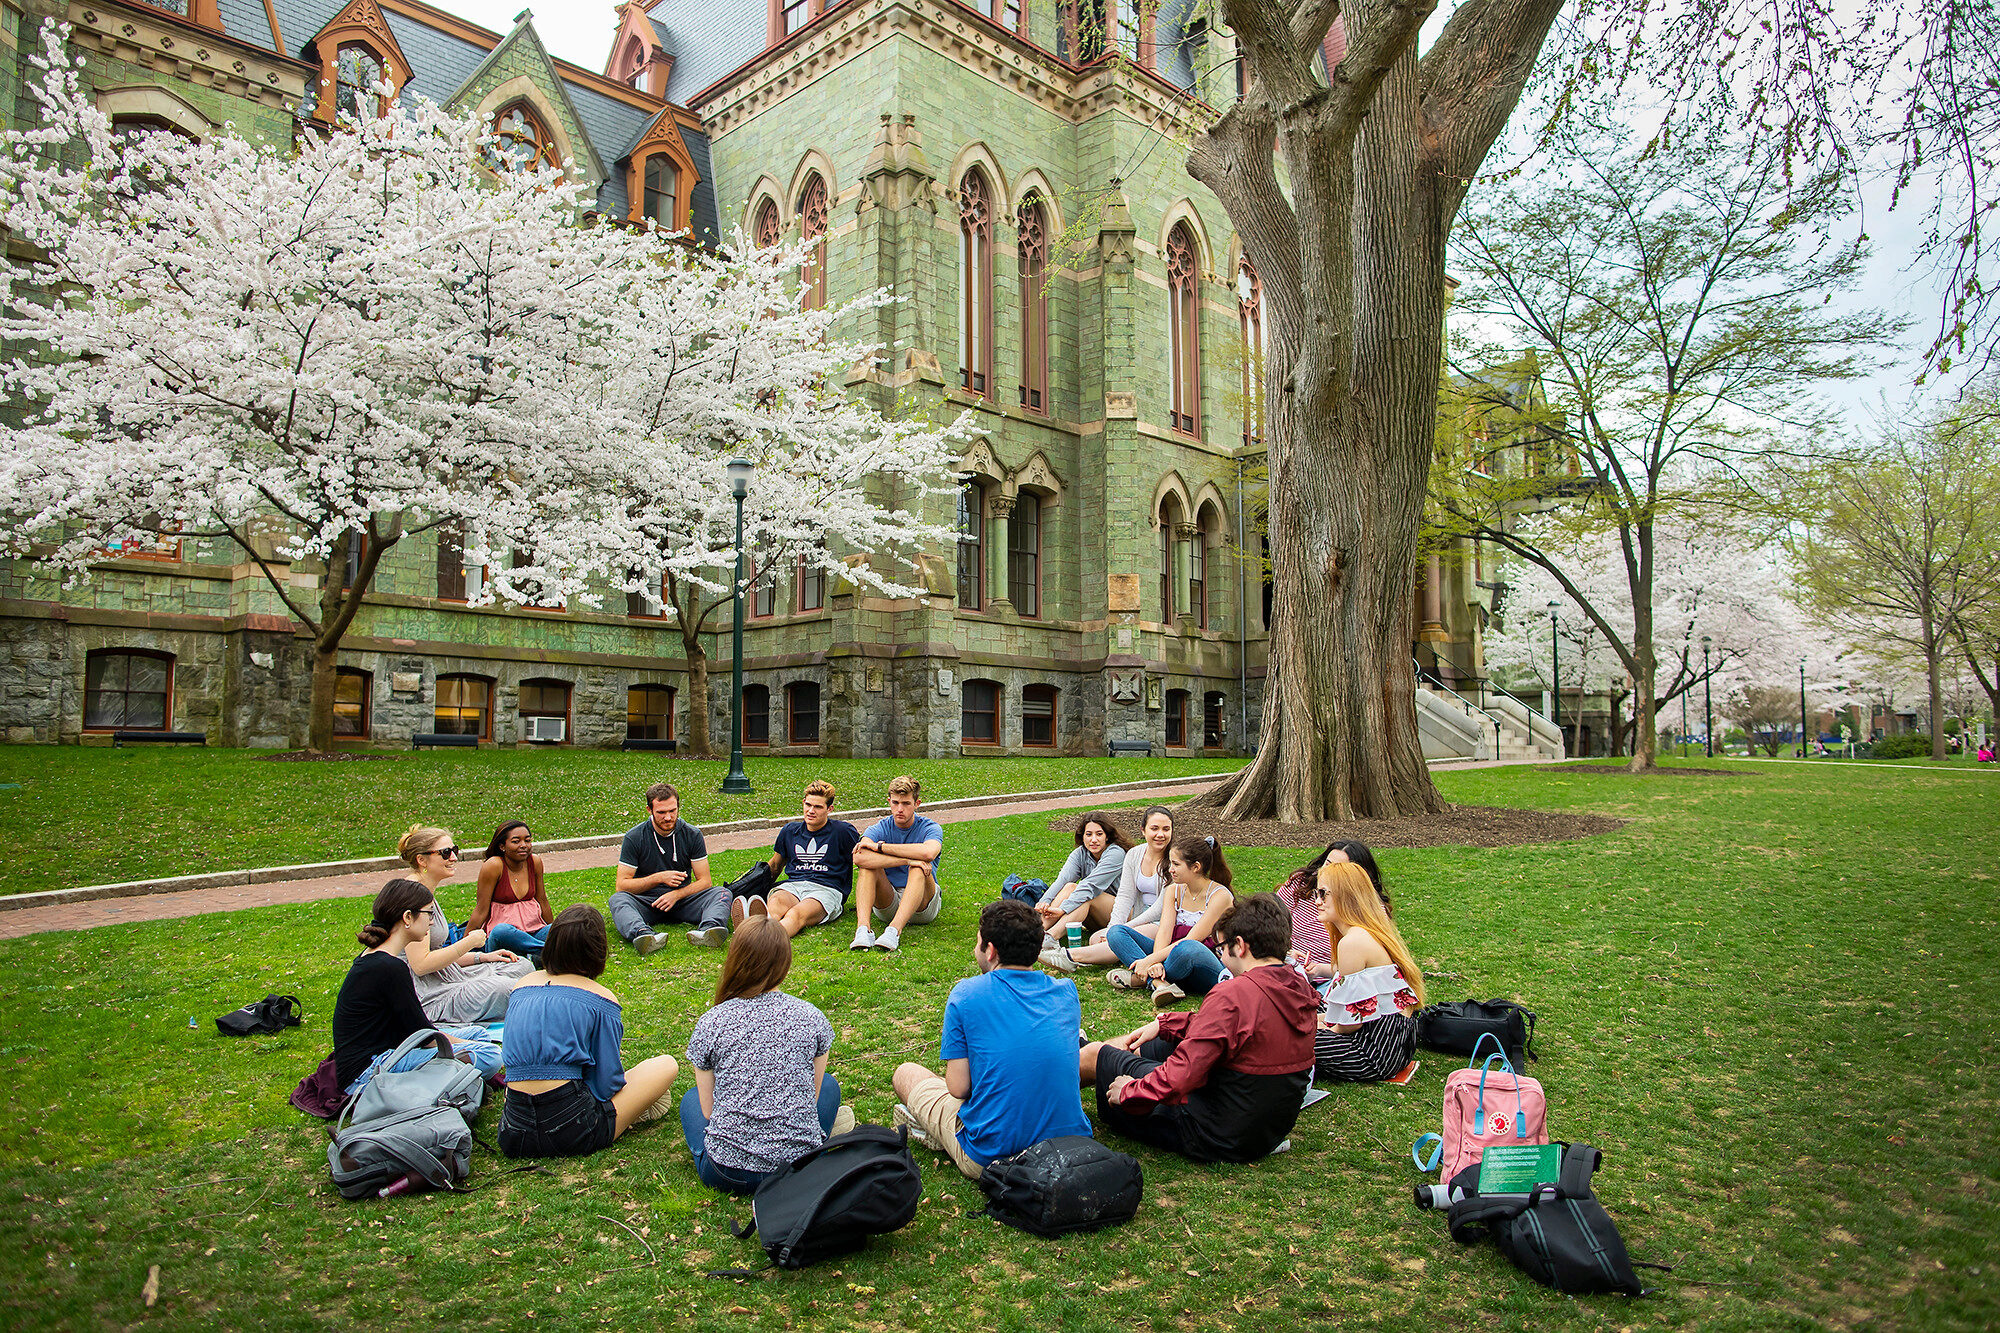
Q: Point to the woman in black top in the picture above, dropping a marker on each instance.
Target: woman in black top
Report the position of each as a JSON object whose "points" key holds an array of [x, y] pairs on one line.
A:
{"points": [[378, 1007]]}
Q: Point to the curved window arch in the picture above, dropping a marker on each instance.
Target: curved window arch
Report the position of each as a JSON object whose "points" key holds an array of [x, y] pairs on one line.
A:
{"points": [[979, 712], [356, 71], [1184, 328], [767, 229], [521, 141], [353, 690], [128, 689], [649, 713], [662, 201], [802, 712], [1032, 262], [975, 282], [464, 706], [813, 213], [756, 715]]}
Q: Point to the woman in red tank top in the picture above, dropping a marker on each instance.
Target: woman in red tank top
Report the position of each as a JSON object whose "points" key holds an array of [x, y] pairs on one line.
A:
{"points": [[512, 906]]}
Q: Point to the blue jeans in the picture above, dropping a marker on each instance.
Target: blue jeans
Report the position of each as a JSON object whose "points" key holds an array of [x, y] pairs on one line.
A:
{"points": [[475, 1041], [504, 936], [733, 1179], [1191, 966]]}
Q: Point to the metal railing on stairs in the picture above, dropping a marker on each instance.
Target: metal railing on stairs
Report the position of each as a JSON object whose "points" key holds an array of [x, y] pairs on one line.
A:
{"points": [[1426, 678]]}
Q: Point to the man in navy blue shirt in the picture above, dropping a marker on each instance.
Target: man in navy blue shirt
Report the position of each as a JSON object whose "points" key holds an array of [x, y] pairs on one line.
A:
{"points": [[1009, 1049], [897, 860], [663, 878], [815, 855]]}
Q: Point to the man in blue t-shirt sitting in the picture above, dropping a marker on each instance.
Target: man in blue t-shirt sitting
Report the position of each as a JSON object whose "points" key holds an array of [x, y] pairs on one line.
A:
{"points": [[1010, 1042], [815, 855], [898, 862]]}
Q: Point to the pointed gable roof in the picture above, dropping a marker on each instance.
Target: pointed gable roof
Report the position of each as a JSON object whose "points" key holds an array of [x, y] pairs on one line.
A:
{"points": [[525, 40]]}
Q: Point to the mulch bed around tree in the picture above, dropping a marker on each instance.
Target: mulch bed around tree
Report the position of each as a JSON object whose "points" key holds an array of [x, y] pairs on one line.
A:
{"points": [[1460, 826], [1661, 772], [321, 756]]}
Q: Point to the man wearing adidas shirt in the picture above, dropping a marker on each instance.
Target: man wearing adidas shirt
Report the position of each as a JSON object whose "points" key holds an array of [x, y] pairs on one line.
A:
{"points": [[815, 858]]}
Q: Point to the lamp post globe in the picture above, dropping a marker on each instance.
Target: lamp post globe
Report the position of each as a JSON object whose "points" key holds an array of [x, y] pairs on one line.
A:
{"points": [[1707, 701], [739, 471]]}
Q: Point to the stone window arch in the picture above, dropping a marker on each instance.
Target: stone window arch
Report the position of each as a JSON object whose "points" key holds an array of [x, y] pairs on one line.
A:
{"points": [[1183, 256], [975, 283], [522, 141]]}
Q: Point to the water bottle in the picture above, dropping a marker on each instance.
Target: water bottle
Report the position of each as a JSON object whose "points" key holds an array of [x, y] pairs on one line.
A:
{"points": [[1075, 933], [400, 1185]]}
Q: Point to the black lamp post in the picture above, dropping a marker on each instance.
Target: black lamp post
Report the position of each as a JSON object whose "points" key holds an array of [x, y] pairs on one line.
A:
{"points": [[1802, 708], [1555, 674], [737, 783], [1684, 724], [1707, 701]]}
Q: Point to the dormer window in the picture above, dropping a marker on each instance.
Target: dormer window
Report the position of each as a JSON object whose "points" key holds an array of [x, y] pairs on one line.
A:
{"points": [[521, 141], [356, 72], [662, 200]]}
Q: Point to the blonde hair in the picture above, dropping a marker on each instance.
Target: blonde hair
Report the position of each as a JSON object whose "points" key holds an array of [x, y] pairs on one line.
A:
{"points": [[905, 786], [1351, 901], [420, 839]]}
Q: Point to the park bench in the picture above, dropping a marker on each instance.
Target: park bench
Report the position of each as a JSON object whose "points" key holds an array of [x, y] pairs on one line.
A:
{"points": [[636, 743], [422, 738], [1136, 748], [119, 738]]}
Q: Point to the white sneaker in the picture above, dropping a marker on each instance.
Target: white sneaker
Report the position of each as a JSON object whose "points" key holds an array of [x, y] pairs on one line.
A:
{"points": [[715, 937], [1286, 1146], [646, 944], [888, 941], [843, 1122], [1057, 960], [900, 1118], [864, 938]]}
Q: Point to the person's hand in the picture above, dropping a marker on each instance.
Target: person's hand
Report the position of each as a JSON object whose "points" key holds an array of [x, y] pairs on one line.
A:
{"points": [[1115, 1094], [665, 901], [475, 937], [673, 879], [505, 955], [1131, 1041], [1048, 915]]}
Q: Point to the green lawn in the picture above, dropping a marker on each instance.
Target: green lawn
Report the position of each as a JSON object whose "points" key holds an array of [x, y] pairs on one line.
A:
{"points": [[102, 816], [1770, 999]]}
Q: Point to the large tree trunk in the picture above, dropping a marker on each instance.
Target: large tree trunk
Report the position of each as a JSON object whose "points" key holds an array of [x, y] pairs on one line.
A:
{"points": [[699, 743], [1351, 254], [337, 608]]}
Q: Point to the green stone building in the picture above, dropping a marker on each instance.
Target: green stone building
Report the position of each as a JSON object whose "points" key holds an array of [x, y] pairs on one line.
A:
{"points": [[1015, 174]]}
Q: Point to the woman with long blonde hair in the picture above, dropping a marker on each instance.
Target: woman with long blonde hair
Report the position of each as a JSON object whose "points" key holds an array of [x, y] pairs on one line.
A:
{"points": [[1368, 1026]]}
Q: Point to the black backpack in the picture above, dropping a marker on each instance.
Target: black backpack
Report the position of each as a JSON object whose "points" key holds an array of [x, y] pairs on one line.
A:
{"points": [[1558, 1235], [273, 1013], [1456, 1026], [757, 881], [830, 1201], [1072, 1183]]}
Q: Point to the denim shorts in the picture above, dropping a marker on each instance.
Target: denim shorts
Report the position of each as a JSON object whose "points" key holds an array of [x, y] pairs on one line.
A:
{"points": [[566, 1121]]}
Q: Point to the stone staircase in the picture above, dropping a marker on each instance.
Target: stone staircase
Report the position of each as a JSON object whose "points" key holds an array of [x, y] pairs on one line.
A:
{"points": [[1453, 728]]}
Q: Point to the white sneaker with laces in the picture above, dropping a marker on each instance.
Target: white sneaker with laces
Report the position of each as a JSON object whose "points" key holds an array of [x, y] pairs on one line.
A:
{"points": [[864, 938], [1057, 960], [888, 941], [900, 1118], [646, 944]]}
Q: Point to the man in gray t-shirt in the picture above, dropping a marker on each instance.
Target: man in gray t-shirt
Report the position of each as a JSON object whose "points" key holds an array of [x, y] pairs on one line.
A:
{"points": [[663, 878]]}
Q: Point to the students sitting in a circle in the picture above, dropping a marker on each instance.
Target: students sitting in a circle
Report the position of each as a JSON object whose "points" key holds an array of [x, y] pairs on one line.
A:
{"points": [[1180, 957], [1142, 879], [1086, 887], [457, 982]]}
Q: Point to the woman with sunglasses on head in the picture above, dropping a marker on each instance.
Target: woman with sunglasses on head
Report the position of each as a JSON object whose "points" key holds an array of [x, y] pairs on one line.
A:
{"points": [[513, 907], [1312, 950], [1368, 1025], [377, 1006], [456, 982], [1142, 879]]}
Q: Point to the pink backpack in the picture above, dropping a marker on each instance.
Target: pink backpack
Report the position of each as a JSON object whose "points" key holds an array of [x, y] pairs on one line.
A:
{"points": [[1484, 1108]]}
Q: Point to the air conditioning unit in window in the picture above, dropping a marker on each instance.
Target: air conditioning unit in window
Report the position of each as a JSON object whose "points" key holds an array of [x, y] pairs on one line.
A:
{"points": [[547, 728]]}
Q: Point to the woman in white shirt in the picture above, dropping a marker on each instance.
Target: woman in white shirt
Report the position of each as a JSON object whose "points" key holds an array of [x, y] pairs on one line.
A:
{"points": [[1368, 1026], [1142, 879]]}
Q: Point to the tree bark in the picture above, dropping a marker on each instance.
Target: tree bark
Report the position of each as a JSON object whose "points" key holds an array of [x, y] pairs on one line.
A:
{"points": [[337, 608], [699, 743], [1352, 261]]}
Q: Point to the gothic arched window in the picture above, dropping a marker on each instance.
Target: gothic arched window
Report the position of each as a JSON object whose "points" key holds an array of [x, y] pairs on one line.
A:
{"points": [[812, 226], [1184, 328], [975, 282], [521, 142], [1033, 264]]}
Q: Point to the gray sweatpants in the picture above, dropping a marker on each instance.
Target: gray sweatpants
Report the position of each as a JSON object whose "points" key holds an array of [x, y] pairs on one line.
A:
{"points": [[633, 915]]}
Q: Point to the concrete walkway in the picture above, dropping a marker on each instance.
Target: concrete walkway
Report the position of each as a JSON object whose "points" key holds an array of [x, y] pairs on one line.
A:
{"points": [[235, 897]]}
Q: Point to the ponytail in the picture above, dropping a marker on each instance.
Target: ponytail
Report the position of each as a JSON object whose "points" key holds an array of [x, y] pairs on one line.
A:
{"points": [[398, 898], [1206, 852]]}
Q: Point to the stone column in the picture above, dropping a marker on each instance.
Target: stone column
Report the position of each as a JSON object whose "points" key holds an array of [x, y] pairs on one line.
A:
{"points": [[1190, 619], [1000, 510]]}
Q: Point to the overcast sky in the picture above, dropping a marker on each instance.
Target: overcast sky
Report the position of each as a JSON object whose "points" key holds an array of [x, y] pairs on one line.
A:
{"points": [[582, 33]]}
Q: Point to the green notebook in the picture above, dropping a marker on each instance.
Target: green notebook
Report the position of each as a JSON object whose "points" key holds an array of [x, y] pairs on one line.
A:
{"points": [[1518, 1168]]}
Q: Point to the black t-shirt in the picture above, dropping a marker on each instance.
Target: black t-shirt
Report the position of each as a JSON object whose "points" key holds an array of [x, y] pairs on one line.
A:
{"points": [[825, 857], [376, 1009], [649, 852]]}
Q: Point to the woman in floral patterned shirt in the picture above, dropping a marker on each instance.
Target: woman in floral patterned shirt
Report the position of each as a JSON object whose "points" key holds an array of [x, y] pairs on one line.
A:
{"points": [[1368, 1029]]}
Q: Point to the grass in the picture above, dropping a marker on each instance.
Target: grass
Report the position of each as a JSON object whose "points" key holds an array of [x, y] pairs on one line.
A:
{"points": [[1770, 999], [102, 816]]}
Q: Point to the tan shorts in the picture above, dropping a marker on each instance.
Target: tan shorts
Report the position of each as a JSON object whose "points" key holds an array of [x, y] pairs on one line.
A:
{"points": [[886, 911], [936, 1112]]}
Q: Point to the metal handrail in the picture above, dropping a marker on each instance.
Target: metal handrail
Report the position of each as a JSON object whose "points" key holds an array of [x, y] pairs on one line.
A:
{"points": [[1470, 707], [1484, 683]]}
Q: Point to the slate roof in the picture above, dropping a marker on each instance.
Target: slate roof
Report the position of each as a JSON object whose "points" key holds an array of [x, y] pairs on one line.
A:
{"points": [[246, 21]]}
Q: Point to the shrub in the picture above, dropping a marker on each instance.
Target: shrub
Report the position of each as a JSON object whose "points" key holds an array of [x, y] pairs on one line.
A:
{"points": [[1910, 746]]}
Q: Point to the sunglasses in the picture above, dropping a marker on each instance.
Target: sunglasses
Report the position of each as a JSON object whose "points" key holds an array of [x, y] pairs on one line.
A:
{"points": [[450, 852]]}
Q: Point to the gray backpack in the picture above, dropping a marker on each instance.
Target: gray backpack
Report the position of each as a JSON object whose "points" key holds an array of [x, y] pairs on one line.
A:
{"points": [[439, 1081], [430, 1145]]}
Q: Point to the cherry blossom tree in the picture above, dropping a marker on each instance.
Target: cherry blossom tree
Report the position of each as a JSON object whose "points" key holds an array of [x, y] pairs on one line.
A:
{"points": [[315, 355]]}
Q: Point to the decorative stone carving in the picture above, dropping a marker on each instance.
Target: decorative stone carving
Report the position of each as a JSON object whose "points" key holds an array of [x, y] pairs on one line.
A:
{"points": [[1001, 506], [406, 682], [1036, 472], [1122, 594], [1121, 403], [1156, 693], [1126, 685]]}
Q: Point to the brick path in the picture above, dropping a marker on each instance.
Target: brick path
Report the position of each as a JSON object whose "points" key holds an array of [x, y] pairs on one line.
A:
{"points": [[196, 902]]}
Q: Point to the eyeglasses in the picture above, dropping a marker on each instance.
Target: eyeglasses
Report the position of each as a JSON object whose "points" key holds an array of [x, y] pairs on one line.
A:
{"points": [[448, 852]]}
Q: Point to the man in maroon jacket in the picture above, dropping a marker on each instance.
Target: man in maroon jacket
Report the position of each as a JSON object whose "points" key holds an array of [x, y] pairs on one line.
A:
{"points": [[1223, 1084]]}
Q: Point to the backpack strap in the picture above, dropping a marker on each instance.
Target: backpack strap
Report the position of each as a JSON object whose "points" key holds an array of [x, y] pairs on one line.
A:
{"points": [[1579, 1164], [1527, 1017], [1472, 1217], [1520, 1113], [1437, 1152], [1480, 1045]]}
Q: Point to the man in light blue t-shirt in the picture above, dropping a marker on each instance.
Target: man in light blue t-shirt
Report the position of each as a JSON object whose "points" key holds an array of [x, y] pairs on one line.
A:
{"points": [[896, 864], [1009, 1049]]}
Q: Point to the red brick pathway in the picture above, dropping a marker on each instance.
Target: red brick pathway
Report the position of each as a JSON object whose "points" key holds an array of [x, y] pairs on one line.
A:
{"points": [[196, 902]]}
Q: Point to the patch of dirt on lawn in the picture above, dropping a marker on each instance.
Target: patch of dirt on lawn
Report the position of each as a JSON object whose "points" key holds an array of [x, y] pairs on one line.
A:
{"points": [[1661, 772], [1460, 826], [315, 756]]}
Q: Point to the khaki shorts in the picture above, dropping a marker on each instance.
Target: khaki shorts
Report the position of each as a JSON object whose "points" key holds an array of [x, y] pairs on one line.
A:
{"points": [[886, 911], [936, 1112]]}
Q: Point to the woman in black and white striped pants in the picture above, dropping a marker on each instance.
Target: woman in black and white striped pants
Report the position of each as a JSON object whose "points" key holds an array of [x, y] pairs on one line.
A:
{"points": [[1368, 1028]]}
